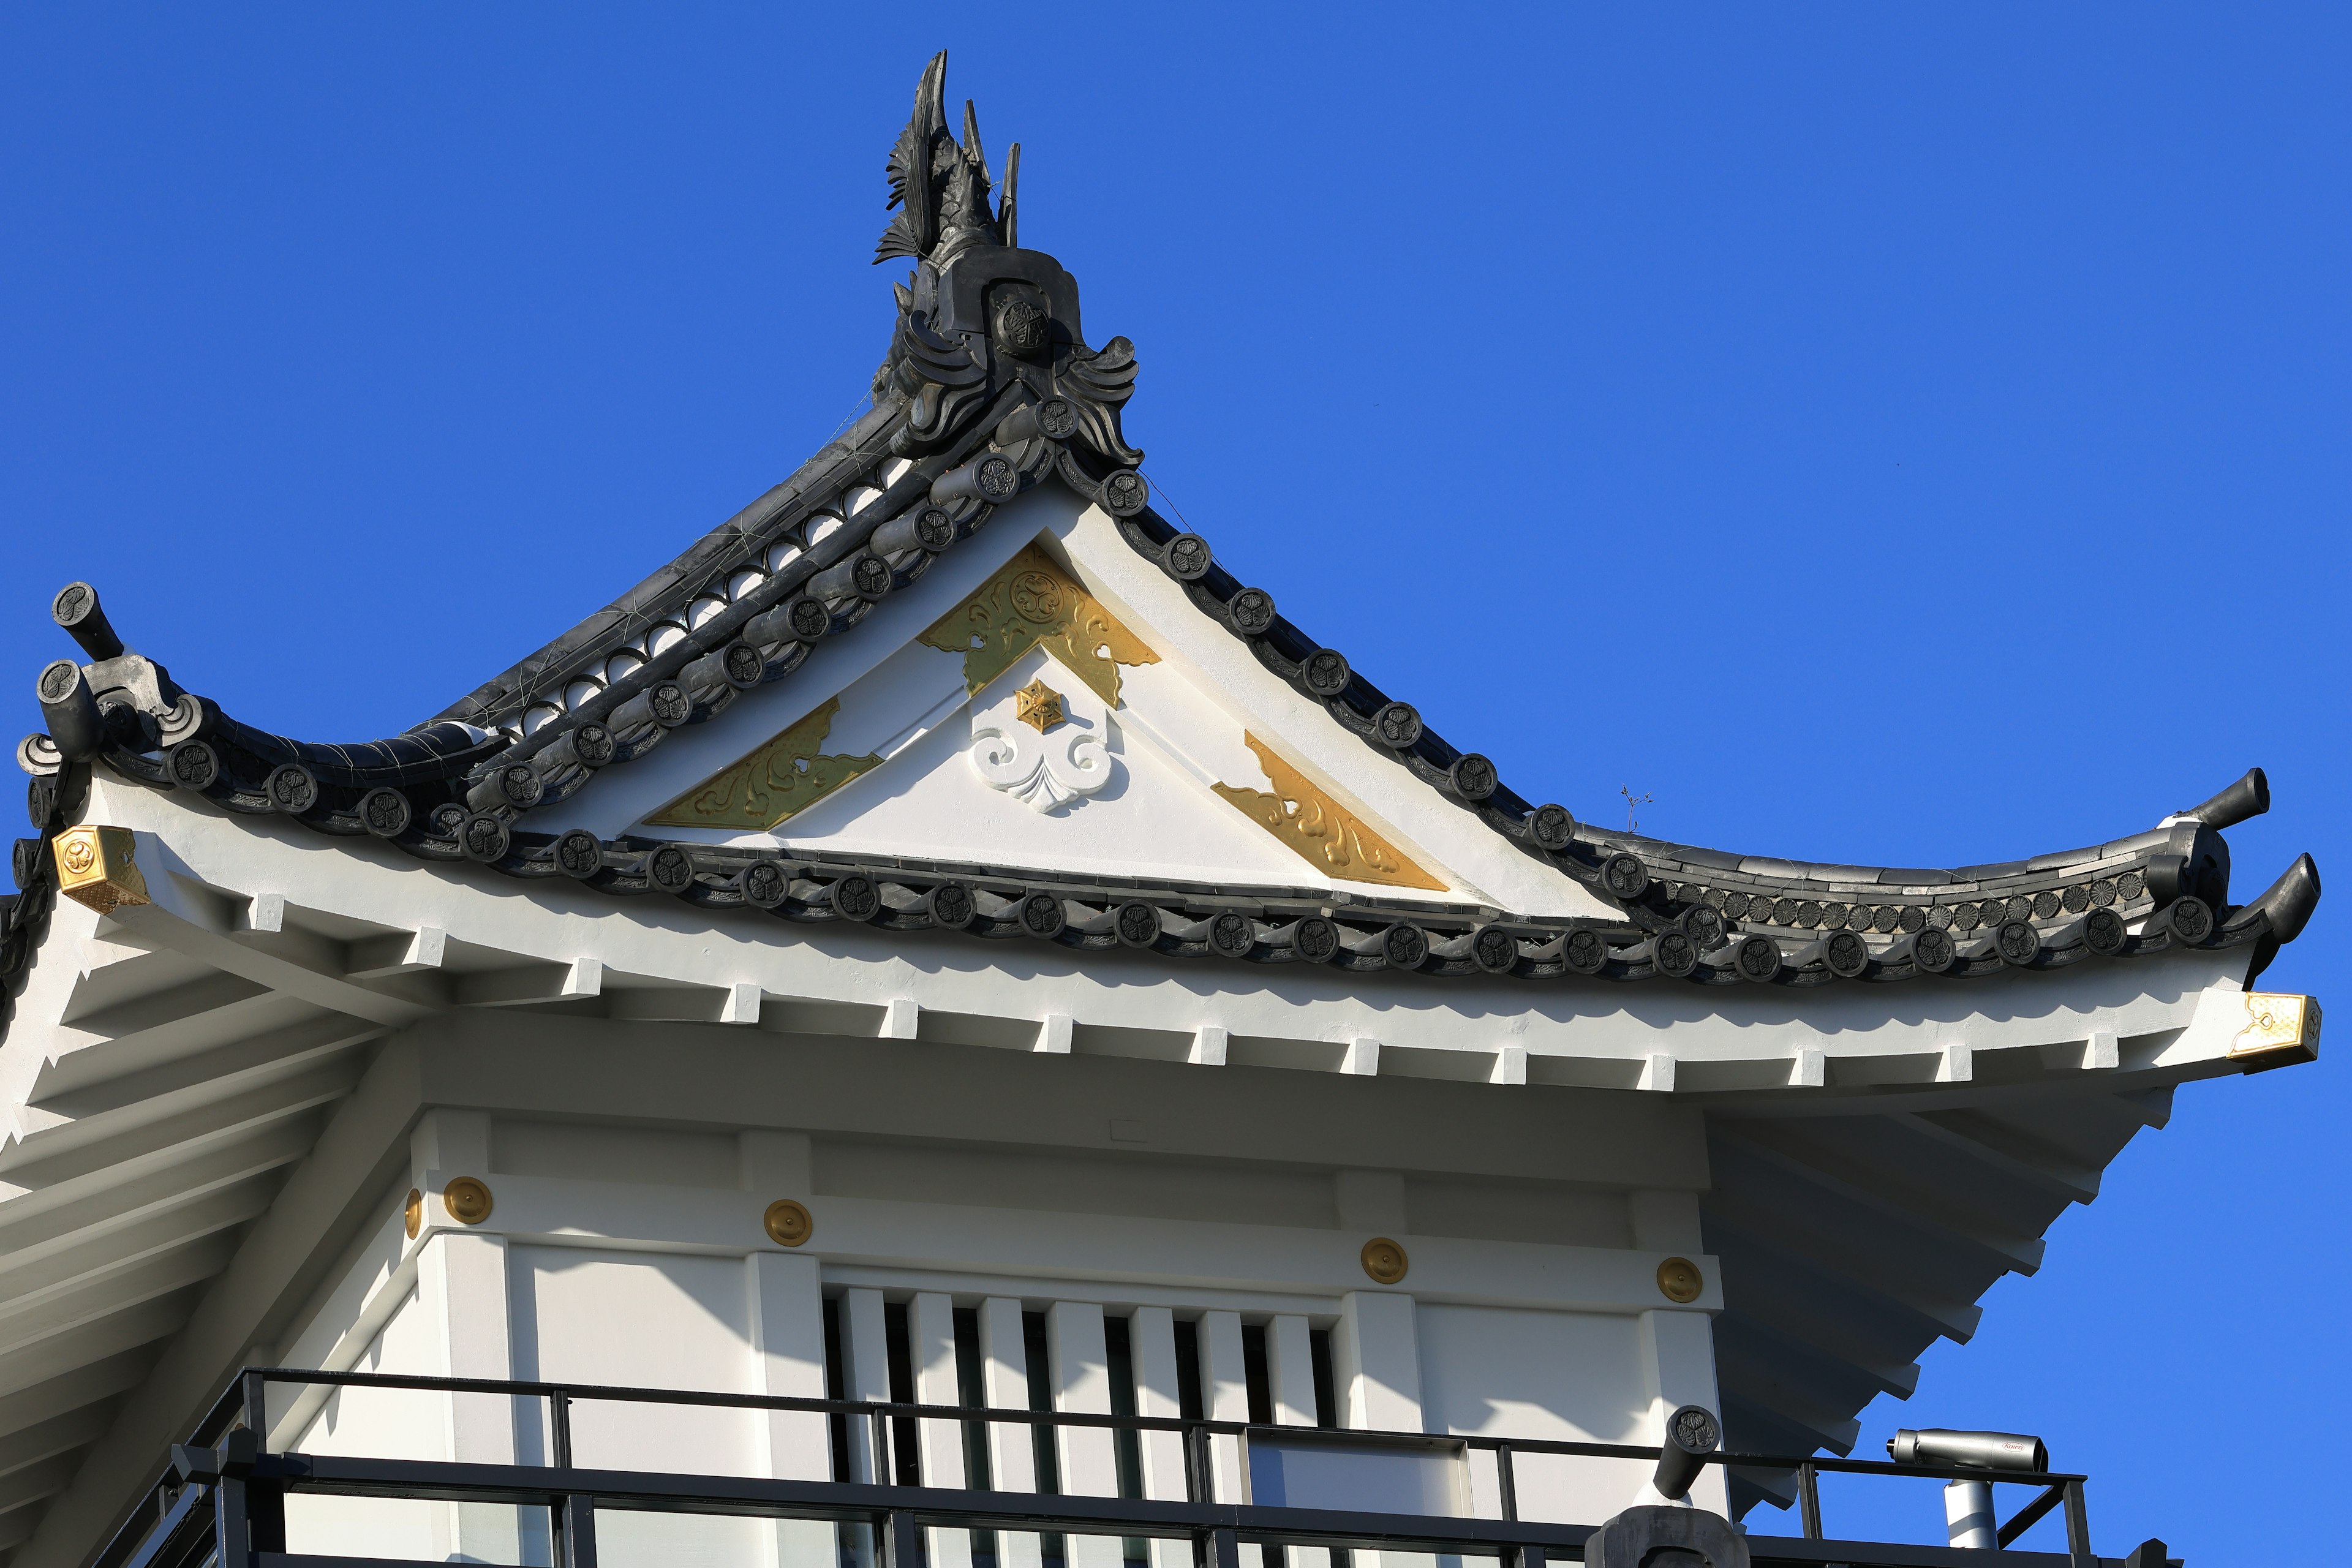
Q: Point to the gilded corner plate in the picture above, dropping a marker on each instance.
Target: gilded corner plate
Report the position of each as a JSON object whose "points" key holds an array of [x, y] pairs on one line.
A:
{"points": [[1033, 603], [94, 867], [1319, 829], [2281, 1030], [788, 774]]}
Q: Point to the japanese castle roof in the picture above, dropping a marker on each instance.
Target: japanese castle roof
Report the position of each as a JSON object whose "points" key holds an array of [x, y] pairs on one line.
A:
{"points": [[743, 754]]}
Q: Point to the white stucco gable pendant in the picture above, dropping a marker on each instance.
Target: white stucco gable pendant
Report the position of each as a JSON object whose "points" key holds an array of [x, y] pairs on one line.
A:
{"points": [[1043, 745]]}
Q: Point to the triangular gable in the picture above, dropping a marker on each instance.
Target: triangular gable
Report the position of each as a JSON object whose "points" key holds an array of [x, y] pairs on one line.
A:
{"points": [[1002, 711]]}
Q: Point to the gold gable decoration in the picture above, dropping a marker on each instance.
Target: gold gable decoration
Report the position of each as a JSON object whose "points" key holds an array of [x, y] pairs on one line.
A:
{"points": [[1319, 830], [1033, 603], [786, 775]]}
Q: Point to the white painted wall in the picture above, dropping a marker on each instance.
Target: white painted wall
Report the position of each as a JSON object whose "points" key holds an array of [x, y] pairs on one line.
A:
{"points": [[632, 1257], [379, 1424], [648, 1320], [1563, 1376]]}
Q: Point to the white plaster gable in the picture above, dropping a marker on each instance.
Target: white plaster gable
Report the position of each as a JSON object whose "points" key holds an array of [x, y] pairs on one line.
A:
{"points": [[1125, 788], [1152, 818], [1220, 668]]}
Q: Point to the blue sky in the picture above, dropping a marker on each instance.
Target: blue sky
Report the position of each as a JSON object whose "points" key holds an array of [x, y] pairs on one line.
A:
{"points": [[1898, 434]]}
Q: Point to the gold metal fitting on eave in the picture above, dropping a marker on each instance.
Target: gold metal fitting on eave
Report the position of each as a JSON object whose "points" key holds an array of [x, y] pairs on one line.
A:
{"points": [[94, 867], [1680, 1281], [467, 1199], [1384, 1261], [2281, 1031], [787, 1223]]}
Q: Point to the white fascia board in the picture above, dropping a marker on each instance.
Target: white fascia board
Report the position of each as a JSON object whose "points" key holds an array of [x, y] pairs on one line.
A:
{"points": [[1105, 1250], [1615, 1025], [570, 1069]]}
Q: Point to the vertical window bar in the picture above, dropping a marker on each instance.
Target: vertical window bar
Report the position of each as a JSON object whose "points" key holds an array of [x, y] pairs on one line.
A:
{"points": [[1050, 1543], [906, 1467], [1118, 1348], [1255, 1376], [837, 1386], [1318, 1352], [971, 1391], [1188, 1370]]}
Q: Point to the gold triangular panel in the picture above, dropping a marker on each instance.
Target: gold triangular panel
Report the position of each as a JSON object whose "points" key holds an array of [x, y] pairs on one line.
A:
{"points": [[1319, 830], [787, 775], [1033, 603]]}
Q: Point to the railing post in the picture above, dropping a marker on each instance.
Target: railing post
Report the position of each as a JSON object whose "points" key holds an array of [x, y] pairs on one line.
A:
{"points": [[902, 1542], [1196, 1465], [559, 1429], [576, 1523], [1808, 1500], [2078, 1527], [886, 1474], [1530, 1556], [1506, 1481], [253, 1393], [232, 1539], [265, 1505], [1222, 1549]]}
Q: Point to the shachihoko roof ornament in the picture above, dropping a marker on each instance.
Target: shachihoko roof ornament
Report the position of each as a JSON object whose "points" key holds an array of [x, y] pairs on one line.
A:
{"points": [[989, 390]]}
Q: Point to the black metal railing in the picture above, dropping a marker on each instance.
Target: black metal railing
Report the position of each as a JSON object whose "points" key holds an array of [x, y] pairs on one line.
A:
{"points": [[222, 1499]]}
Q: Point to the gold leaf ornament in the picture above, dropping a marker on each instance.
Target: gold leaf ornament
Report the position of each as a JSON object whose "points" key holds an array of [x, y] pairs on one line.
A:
{"points": [[1033, 603], [94, 867], [1039, 706], [1319, 830], [2280, 1029], [788, 774]]}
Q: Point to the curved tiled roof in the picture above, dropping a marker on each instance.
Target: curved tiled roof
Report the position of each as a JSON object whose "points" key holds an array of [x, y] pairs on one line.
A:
{"points": [[989, 390]]}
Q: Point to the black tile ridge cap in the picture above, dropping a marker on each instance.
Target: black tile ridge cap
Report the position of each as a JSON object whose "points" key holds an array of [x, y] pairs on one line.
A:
{"points": [[380, 786], [1811, 876], [1271, 926], [779, 586], [727, 548], [1341, 900], [435, 752], [1341, 903]]}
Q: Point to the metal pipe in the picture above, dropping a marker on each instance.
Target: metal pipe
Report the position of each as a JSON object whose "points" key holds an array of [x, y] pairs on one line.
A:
{"points": [[1968, 1515]]}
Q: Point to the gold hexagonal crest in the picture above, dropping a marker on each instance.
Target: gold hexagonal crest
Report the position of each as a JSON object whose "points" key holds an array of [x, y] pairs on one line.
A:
{"points": [[94, 867], [1039, 706]]}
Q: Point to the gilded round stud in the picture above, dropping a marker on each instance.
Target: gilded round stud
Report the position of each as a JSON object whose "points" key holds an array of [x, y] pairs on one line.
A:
{"points": [[411, 1213], [467, 1199], [1384, 1260], [788, 1224], [1680, 1281]]}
